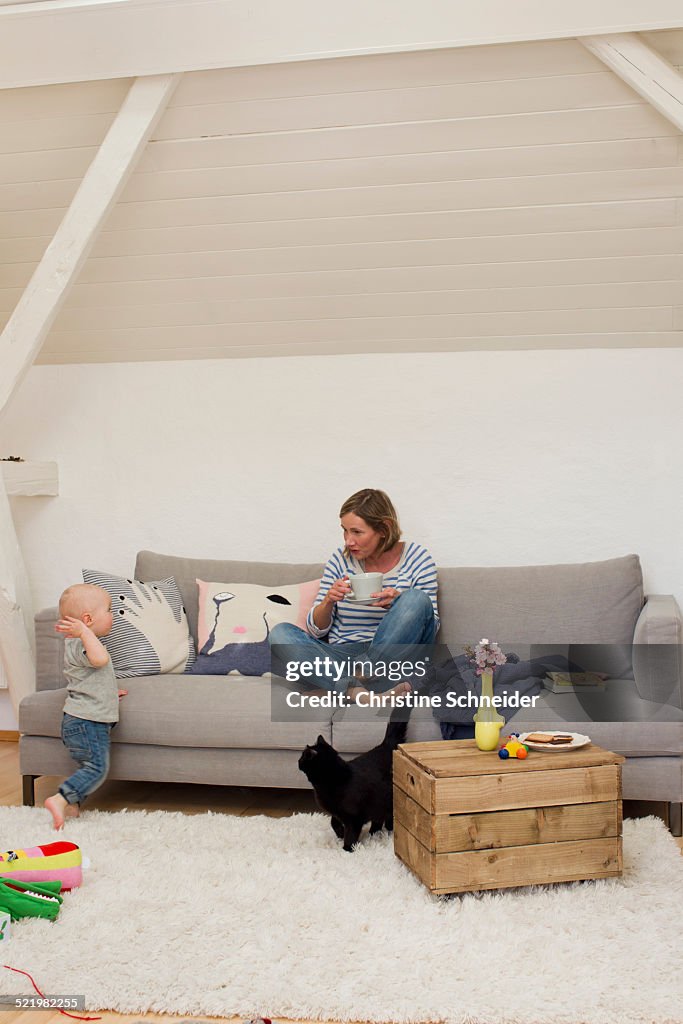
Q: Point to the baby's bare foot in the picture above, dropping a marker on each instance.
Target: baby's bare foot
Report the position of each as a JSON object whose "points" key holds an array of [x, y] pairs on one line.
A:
{"points": [[72, 811], [56, 805]]}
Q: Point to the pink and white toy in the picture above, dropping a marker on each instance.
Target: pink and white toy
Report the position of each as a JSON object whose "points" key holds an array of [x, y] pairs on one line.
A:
{"points": [[55, 862]]}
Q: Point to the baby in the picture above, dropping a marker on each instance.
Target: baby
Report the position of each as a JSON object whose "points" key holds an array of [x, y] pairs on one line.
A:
{"points": [[91, 708]]}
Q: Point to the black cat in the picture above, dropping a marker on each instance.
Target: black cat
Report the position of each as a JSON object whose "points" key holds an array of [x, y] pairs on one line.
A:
{"points": [[357, 791]]}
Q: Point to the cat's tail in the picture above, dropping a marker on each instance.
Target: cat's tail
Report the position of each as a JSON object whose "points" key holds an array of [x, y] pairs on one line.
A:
{"points": [[397, 728]]}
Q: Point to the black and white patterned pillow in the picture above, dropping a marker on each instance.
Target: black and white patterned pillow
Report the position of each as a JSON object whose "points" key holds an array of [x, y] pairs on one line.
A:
{"points": [[150, 634]]}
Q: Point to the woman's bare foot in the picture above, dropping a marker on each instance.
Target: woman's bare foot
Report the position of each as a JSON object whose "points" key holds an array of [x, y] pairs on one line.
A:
{"points": [[57, 806], [384, 698]]}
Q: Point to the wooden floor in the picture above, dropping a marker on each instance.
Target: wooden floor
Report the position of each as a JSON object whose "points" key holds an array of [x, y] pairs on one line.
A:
{"points": [[148, 796]]}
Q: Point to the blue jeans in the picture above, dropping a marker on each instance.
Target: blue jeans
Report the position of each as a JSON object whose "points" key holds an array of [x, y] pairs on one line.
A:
{"points": [[406, 625], [88, 743]]}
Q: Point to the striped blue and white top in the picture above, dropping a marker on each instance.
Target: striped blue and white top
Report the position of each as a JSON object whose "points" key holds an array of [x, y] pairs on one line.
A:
{"points": [[415, 568]]}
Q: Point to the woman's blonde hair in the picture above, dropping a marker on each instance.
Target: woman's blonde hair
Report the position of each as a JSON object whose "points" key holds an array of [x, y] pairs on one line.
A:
{"points": [[376, 509]]}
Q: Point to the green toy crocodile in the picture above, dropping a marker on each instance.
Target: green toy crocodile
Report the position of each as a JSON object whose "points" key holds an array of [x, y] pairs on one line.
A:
{"points": [[35, 900]]}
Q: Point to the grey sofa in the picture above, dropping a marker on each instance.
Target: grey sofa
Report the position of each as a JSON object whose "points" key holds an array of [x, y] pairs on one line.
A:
{"points": [[236, 731]]}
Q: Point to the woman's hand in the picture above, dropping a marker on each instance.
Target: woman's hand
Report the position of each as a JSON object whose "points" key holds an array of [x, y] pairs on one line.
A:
{"points": [[385, 598], [338, 591]]}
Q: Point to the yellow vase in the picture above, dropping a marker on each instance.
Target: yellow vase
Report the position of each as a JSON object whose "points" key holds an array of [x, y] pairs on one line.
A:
{"points": [[486, 734], [487, 721]]}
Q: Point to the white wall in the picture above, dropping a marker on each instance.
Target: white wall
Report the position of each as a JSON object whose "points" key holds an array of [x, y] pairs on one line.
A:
{"points": [[8, 720], [491, 458]]}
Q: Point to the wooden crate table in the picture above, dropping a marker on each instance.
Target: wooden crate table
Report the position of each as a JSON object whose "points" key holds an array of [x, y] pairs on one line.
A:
{"points": [[465, 820]]}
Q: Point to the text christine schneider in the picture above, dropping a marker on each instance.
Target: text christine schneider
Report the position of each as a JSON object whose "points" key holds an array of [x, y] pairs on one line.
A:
{"points": [[321, 669]]}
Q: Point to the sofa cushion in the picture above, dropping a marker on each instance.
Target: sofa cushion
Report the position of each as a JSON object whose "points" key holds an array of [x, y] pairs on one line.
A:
{"points": [[235, 620], [592, 603], [193, 711], [149, 632], [150, 565]]}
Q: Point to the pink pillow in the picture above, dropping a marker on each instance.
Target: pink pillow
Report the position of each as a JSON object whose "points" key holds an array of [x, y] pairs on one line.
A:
{"points": [[246, 612]]}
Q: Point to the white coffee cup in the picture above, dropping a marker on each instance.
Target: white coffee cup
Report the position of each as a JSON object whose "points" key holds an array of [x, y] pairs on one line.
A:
{"points": [[363, 584]]}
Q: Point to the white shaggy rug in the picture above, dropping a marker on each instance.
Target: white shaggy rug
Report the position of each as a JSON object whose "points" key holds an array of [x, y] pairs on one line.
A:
{"points": [[214, 915]]}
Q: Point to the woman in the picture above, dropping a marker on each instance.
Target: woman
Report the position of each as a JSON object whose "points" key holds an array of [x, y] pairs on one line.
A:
{"points": [[404, 613]]}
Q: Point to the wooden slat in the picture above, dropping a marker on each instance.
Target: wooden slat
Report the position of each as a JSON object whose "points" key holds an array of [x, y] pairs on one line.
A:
{"points": [[527, 827], [408, 303], [206, 214], [269, 186], [533, 789], [522, 220], [387, 71], [488, 161], [444, 833], [413, 817], [164, 277], [426, 244], [233, 348], [668, 42], [463, 758], [634, 121], [414, 855], [387, 280], [72, 99], [388, 106], [525, 274], [420, 197], [46, 165], [376, 329], [524, 865], [206, 155], [55, 133], [629, 121], [413, 781]]}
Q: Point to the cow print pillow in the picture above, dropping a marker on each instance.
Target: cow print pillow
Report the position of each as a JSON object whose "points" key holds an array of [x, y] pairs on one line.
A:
{"points": [[236, 618]]}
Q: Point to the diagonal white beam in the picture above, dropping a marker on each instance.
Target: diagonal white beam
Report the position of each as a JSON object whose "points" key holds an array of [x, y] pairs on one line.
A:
{"points": [[643, 69], [31, 321], [102, 184]]}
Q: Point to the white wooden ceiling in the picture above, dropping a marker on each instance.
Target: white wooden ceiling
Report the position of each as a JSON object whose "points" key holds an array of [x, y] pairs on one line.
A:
{"points": [[511, 196]]}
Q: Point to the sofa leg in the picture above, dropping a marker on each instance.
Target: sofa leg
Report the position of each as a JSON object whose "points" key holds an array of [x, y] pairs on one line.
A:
{"points": [[675, 815], [28, 790]]}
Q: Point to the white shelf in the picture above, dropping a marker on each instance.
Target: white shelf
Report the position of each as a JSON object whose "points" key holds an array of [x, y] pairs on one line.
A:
{"points": [[30, 478]]}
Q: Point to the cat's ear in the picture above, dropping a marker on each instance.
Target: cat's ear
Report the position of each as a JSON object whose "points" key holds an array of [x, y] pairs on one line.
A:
{"points": [[321, 741]]}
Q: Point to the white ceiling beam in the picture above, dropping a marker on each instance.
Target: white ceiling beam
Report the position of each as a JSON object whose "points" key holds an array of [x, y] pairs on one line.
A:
{"points": [[84, 40], [102, 184], [643, 69]]}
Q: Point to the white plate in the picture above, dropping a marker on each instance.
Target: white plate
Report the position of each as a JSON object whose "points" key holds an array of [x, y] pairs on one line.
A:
{"points": [[578, 740], [360, 600]]}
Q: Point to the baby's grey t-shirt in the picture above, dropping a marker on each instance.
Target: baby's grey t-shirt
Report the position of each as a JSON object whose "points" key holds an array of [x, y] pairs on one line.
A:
{"points": [[91, 693]]}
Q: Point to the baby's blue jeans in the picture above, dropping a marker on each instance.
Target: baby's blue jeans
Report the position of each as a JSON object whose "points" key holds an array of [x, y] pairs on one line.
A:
{"points": [[88, 743]]}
